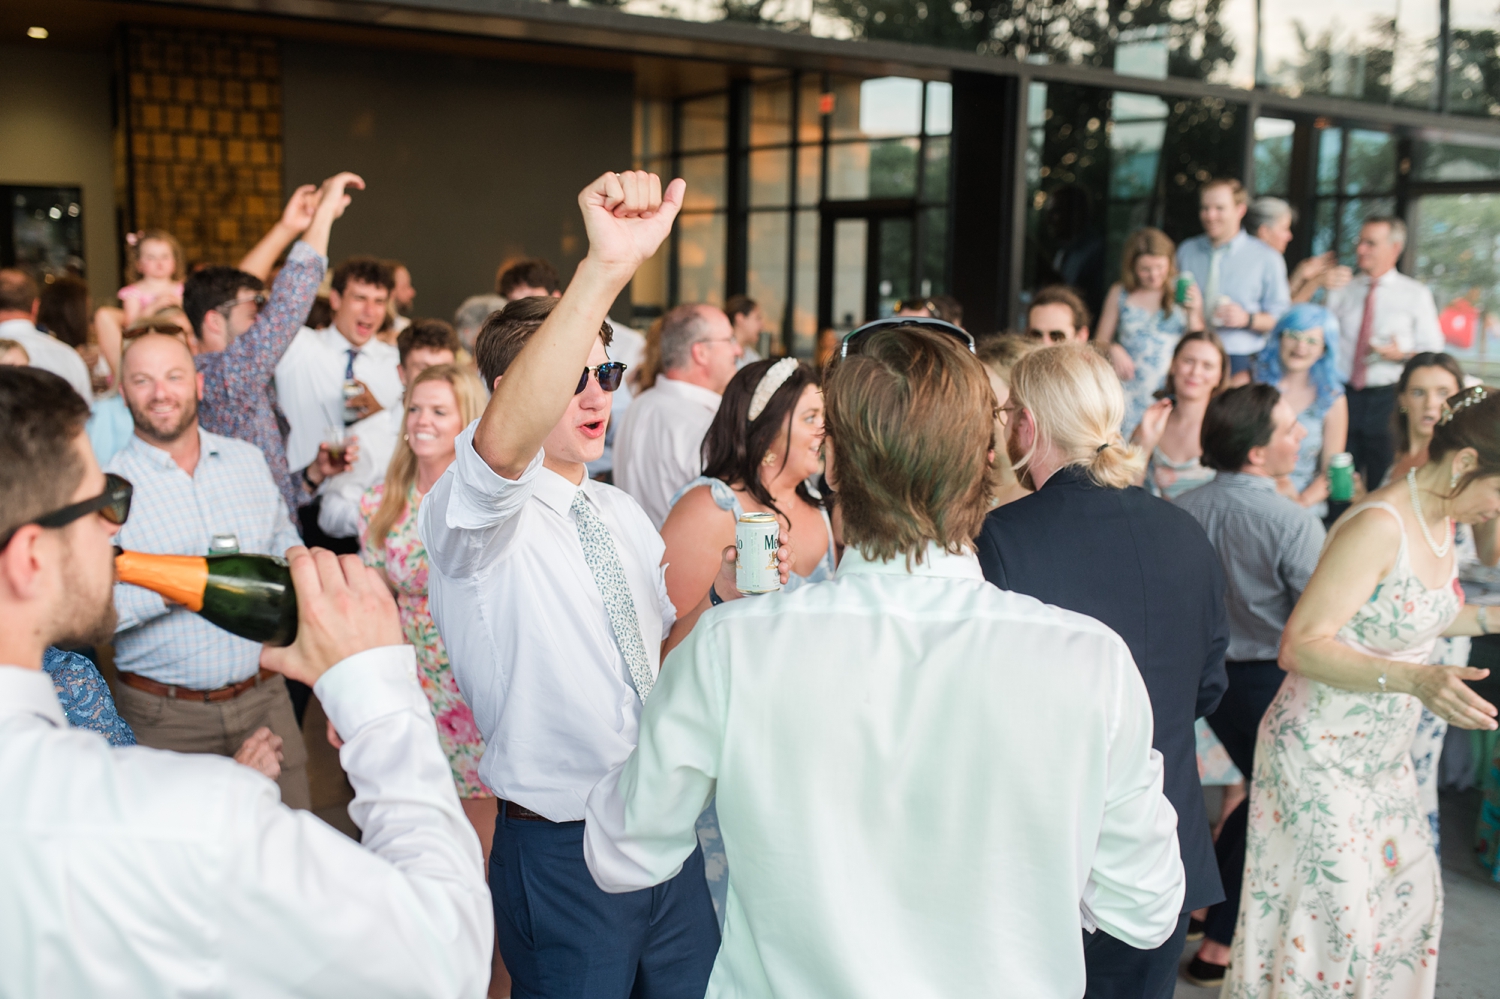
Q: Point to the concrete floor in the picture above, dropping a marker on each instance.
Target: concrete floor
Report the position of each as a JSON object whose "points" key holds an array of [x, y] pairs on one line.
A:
{"points": [[1469, 955]]}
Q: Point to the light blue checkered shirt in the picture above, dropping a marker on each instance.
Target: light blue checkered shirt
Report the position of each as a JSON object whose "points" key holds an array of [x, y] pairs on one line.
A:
{"points": [[230, 492]]}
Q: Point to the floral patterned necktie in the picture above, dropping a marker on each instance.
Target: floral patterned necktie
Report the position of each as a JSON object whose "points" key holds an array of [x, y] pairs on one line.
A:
{"points": [[604, 562]]}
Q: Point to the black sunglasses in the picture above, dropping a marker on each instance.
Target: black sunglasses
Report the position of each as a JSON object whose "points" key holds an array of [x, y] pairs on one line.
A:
{"points": [[113, 505], [609, 374], [227, 306], [854, 338]]}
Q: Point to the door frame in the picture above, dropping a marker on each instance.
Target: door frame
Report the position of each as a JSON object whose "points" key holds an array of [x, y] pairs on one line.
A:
{"points": [[875, 210]]}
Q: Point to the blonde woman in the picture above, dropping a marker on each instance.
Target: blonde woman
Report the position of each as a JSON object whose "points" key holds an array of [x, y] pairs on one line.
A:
{"points": [[1087, 541], [1142, 320]]}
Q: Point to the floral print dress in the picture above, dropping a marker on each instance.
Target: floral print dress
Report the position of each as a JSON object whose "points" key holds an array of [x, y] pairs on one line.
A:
{"points": [[1148, 336], [403, 559], [1342, 892]]}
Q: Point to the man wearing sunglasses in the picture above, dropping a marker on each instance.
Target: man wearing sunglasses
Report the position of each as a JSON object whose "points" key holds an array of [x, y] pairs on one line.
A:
{"points": [[547, 588], [140, 872], [242, 332]]}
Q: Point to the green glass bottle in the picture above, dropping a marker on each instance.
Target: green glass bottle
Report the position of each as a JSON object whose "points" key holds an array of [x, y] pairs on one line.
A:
{"points": [[247, 595]]}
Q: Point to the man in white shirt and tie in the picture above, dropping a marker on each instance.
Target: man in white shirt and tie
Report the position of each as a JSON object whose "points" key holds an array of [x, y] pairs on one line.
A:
{"points": [[902, 814], [141, 872], [548, 589], [18, 307], [312, 374], [1384, 318], [659, 446]]}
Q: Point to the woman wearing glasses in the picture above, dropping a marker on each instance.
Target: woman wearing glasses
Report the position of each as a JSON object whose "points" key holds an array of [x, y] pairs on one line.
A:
{"points": [[1298, 359]]}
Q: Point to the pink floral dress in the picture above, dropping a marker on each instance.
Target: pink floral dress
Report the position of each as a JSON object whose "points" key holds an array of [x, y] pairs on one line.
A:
{"points": [[404, 562]]}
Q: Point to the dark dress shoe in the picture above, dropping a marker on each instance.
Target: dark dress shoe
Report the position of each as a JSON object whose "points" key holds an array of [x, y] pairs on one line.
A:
{"points": [[1202, 973]]}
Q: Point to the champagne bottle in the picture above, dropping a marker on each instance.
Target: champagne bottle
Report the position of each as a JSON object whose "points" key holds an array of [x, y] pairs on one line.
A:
{"points": [[247, 595]]}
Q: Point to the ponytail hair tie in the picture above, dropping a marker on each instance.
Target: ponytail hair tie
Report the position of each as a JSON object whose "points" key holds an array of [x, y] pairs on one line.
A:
{"points": [[1101, 447]]}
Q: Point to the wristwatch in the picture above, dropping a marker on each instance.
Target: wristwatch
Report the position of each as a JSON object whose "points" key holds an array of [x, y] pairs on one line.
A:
{"points": [[308, 482], [714, 599]]}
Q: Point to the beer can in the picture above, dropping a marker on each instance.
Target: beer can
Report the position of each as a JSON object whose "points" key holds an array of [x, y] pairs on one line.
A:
{"points": [[1341, 477], [756, 538], [1184, 282]]}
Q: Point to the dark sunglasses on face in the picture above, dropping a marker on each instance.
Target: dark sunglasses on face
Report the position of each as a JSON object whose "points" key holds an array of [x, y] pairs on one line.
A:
{"points": [[227, 306], [113, 505], [609, 374], [854, 339]]}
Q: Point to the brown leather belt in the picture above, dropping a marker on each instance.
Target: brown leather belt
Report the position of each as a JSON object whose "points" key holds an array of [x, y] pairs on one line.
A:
{"points": [[226, 693], [515, 811]]}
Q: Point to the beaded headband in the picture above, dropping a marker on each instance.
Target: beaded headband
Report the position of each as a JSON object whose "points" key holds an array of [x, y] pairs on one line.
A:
{"points": [[1471, 396], [775, 377]]}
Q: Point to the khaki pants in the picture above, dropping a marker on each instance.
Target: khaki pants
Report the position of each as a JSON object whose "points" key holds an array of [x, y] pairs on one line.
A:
{"points": [[196, 727]]}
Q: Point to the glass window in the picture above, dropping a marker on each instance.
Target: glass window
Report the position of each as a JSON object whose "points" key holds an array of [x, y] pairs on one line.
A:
{"points": [[1325, 226], [1330, 142], [850, 245], [810, 113], [765, 275], [805, 306], [939, 108], [893, 269], [1453, 239], [770, 178], [887, 106], [1444, 161], [809, 175], [935, 169], [1273, 156], [648, 289], [705, 123], [1473, 83], [1336, 47], [653, 129], [705, 181], [860, 170], [933, 254], [700, 258], [1371, 167], [771, 113]]}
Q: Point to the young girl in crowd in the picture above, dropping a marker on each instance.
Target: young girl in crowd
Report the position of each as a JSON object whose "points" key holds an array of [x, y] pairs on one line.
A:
{"points": [[1299, 360], [157, 265], [1142, 321], [1170, 428]]}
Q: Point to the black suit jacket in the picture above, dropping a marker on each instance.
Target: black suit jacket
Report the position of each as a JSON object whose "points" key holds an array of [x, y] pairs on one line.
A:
{"points": [[1147, 570]]}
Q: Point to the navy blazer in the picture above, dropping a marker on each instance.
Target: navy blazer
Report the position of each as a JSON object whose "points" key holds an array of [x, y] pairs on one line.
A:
{"points": [[1147, 570]]}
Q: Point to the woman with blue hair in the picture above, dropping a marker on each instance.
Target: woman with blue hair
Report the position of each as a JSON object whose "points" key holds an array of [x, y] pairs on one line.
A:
{"points": [[1299, 360]]}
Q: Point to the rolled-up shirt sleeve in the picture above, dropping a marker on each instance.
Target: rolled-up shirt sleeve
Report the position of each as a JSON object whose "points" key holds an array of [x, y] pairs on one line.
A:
{"points": [[461, 517], [1137, 884], [641, 817], [403, 913]]}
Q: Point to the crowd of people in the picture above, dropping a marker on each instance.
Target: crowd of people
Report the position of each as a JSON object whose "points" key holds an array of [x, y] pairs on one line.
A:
{"points": [[1038, 588]]}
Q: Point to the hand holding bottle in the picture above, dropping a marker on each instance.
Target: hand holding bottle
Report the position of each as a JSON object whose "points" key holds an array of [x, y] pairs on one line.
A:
{"points": [[343, 608]]}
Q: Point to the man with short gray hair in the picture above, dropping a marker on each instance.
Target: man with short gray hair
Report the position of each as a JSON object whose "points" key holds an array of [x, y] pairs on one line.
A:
{"points": [[1384, 318], [470, 317], [659, 446]]}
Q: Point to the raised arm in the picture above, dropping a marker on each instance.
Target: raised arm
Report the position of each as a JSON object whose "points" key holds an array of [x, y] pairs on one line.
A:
{"points": [[626, 216]]}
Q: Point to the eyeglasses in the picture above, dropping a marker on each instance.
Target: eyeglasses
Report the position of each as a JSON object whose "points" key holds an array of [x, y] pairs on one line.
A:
{"points": [[113, 505], [855, 338], [1306, 339], [227, 306], [609, 375], [716, 339], [1051, 336]]}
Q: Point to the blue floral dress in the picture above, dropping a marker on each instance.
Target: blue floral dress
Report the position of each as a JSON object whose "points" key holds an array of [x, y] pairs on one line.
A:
{"points": [[1342, 892], [1148, 336], [85, 697]]}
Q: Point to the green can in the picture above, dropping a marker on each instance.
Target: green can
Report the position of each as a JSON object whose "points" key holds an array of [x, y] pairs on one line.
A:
{"points": [[1341, 477], [1184, 282]]}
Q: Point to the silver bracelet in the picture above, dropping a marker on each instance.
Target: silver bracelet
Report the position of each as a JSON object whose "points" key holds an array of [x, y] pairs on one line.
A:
{"points": [[1381, 681]]}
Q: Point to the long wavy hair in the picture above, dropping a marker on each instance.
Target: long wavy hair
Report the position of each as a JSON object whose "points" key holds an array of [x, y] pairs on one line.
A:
{"points": [[734, 446], [1324, 374], [402, 471]]}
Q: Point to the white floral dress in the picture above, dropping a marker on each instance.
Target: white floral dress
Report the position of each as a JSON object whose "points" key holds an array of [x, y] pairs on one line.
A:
{"points": [[1342, 891]]}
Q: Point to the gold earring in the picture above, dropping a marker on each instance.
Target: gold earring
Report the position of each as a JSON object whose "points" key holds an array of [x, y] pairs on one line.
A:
{"points": [[769, 459]]}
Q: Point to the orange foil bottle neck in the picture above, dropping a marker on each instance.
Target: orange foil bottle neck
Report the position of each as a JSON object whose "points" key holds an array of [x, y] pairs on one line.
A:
{"points": [[180, 578]]}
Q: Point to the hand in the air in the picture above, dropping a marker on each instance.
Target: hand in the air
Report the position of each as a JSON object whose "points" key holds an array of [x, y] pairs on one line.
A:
{"points": [[627, 217]]}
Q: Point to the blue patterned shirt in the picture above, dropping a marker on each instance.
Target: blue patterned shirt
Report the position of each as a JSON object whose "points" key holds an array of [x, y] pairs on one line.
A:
{"points": [[229, 492], [85, 697], [238, 399]]}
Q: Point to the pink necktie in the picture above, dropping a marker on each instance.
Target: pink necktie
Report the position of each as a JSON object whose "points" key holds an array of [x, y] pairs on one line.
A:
{"points": [[1362, 346]]}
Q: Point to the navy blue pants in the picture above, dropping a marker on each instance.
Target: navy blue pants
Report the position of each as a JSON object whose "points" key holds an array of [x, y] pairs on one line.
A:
{"points": [[1252, 687], [1117, 970], [564, 938], [1371, 439]]}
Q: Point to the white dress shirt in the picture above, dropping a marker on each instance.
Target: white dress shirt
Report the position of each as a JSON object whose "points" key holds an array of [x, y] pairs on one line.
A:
{"points": [[526, 628], [138, 872], [50, 354], [338, 514], [230, 492], [310, 386], [659, 447], [902, 812], [1405, 315]]}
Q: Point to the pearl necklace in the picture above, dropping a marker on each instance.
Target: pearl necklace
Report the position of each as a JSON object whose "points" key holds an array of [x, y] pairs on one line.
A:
{"points": [[1416, 505]]}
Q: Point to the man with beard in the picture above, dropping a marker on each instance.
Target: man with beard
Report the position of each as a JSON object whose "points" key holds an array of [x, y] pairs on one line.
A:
{"points": [[185, 684], [145, 873]]}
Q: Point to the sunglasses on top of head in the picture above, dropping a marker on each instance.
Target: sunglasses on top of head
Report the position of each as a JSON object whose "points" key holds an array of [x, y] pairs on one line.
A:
{"points": [[856, 338], [610, 373], [113, 504]]}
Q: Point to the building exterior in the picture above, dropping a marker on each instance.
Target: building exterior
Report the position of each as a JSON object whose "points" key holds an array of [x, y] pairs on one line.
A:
{"points": [[826, 143]]}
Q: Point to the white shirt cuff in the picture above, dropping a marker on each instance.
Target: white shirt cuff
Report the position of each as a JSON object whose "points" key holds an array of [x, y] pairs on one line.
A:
{"points": [[369, 685]]}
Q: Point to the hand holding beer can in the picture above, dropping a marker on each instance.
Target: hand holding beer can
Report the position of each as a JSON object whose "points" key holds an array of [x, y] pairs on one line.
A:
{"points": [[756, 538], [1184, 282], [1341, 477]]}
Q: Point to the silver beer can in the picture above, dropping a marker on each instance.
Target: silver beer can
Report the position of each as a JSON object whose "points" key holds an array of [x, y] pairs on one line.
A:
{"points": [[756, 538]]}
